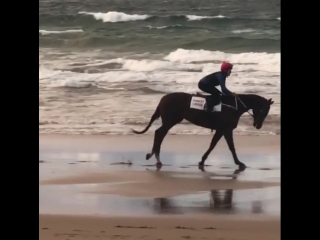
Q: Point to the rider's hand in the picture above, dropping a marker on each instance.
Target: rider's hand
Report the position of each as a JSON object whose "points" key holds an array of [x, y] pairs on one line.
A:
{"points": [[234, 94]]}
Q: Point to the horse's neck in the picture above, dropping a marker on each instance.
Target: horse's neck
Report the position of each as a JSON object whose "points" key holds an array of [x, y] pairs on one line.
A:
{"points": [[249, 100]]}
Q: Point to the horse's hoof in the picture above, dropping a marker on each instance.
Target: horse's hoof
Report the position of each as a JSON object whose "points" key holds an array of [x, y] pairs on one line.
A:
{"points": [[201, 167], [148, 156], [242, 166], [158, 166]]}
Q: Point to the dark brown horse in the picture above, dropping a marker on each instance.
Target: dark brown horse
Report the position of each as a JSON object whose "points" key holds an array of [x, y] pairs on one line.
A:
{"points": [[174, 107]]}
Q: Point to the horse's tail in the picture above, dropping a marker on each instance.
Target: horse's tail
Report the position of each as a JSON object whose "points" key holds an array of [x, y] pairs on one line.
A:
{"points": [[155, 116]]}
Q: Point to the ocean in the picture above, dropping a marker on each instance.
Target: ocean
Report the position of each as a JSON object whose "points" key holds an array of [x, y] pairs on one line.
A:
{"points": [[105, 64]]}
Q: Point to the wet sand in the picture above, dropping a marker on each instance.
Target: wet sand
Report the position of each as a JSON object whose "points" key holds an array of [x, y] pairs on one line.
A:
{"points": [[156, 228], [171, 143], [157, 184], [87, 188]]}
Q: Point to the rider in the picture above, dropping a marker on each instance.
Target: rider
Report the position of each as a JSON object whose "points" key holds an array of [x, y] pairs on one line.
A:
{"points": [[209, 83]]}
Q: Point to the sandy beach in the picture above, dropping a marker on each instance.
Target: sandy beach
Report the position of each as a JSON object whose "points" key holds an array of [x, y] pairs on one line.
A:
{"points": [[102, 187], [164, 227]]}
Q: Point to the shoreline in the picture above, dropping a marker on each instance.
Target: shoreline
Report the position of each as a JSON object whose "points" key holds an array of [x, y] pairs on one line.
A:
{"points": [[175, 143]]}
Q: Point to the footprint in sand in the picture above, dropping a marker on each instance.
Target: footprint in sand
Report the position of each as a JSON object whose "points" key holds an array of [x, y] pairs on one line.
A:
{"points": [[146, 227], [210, 228], [179, 227], [122, 163]]}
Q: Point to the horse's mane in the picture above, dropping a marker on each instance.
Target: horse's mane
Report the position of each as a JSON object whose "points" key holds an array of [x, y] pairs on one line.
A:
{"points": [[251, 97]]}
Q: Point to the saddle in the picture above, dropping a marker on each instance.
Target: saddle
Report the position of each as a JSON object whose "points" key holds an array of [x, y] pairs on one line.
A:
{"points": [[199, 94], [207, 97]]}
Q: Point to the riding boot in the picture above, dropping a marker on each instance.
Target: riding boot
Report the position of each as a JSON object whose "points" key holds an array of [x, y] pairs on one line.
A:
{"points": [[209, 104]]}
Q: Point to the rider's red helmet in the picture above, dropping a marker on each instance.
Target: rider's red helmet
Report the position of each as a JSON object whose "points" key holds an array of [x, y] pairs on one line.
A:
{"points": [[225, 66]]}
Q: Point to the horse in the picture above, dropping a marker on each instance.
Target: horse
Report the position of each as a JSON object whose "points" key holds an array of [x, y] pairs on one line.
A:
{"points": [[177, 106]]}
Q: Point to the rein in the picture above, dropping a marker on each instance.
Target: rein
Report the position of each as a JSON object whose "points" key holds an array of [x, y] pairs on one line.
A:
{"points": [[236, 108], [242, 104], [235, 99]]}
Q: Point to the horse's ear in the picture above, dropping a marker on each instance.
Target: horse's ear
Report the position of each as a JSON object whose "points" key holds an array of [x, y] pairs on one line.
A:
{"points": [[270, 101]]}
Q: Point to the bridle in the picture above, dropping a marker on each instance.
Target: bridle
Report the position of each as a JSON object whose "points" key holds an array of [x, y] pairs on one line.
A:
{"points": [[236, 102], [237, 98]]}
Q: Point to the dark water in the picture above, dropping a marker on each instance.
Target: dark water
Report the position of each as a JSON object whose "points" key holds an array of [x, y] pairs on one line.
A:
{"points": [[229, 26]]}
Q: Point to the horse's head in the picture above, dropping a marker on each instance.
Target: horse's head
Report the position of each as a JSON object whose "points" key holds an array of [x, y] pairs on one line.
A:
{"points": [[260, 112]]}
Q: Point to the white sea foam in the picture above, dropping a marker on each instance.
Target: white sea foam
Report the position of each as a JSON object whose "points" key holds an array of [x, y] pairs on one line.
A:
{"points": [[269, 62], [113, 16], [163, 27], [47, 32], [181, 66], [195, 17], [243, 31]]}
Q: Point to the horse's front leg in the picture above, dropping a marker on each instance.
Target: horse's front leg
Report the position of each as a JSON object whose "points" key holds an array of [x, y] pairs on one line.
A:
{"points": [[228, 135], [213, 143]]}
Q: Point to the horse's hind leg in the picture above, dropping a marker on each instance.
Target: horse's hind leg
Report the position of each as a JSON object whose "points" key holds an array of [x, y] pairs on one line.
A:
{"points": [[156, 138], [159, 135]]}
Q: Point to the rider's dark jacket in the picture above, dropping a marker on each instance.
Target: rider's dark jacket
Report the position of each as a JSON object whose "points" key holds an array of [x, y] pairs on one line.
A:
{"points": [[209, 82]]}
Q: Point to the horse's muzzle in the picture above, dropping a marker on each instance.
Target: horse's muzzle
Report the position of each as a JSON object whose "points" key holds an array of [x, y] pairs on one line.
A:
{"points": [[257, 125]]}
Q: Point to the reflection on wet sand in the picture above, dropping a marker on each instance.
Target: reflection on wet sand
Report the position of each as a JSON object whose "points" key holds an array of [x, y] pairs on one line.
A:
{"points": [[220, 202], [108, 199], [60, 199]]}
